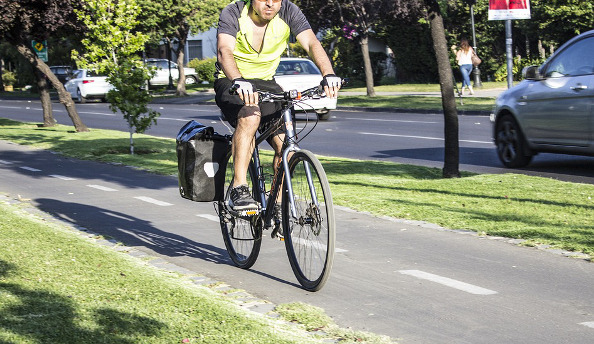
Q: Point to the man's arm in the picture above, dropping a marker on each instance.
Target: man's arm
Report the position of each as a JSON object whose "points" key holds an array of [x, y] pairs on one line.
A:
{"points": [[225, 47], [314, 49]]}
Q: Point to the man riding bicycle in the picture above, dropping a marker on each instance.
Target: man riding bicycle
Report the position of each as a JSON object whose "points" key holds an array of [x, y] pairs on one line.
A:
{"points": [[251, 37]]}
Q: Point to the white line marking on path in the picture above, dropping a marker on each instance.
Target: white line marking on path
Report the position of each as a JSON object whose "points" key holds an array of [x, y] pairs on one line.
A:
{"points": [[174, 119], [588, 324], [30, 169], [5, 162], [390, 120], [61, 177], [469, 288], [100, 187], [209, 217], [424, 137], [97, 113], [153, 201]]}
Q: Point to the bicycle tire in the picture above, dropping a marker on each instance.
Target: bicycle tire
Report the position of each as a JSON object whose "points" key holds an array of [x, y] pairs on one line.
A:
{"points": [[310, 237], [242, 235]]}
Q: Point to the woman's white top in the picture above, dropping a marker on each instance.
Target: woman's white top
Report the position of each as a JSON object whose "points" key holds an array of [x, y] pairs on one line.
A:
{"points": [[464, 58]]}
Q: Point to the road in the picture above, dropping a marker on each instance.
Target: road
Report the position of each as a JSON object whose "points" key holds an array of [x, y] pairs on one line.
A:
{"points": [[408, 280], [398, 137]]}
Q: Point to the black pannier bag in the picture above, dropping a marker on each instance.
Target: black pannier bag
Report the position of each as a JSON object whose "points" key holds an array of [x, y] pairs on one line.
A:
{"points": [[201, 162]]}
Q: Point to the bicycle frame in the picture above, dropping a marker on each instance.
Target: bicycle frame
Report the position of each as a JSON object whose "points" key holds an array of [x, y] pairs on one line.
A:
{"points": [[289, 145]]}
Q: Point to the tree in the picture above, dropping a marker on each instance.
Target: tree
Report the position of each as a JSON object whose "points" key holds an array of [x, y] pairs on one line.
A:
{"points": [[182, 17], [450, 113], [111, 46], [23, 21]]}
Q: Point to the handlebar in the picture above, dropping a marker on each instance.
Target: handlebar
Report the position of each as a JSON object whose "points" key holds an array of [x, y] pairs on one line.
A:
{"points": [[292, 95]]}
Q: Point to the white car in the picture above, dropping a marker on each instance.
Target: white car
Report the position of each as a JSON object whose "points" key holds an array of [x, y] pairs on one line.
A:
{"points": [[86, 84], [162, 74], [300, 74]]}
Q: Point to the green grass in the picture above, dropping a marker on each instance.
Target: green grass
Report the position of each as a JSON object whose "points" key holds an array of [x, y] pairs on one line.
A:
{"points": [[313, 318], [539, 210], [59, 287], [420, 87], [416, 102]]}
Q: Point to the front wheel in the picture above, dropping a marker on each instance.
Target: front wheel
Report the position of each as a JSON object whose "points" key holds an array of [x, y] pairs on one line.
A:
{"points": [[323, 115], [511, 143], [242, 234], [310, 233]]}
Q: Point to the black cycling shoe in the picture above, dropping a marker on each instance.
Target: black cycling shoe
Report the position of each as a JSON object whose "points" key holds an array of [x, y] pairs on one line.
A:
{"points": [[242, 200]]}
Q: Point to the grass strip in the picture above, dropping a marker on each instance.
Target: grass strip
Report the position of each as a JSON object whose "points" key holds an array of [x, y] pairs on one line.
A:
{"points": [[538, 210], [415, 102], [59, 287]]}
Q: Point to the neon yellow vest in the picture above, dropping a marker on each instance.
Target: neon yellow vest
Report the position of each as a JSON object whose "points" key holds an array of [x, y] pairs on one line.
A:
{"points": [[260, 65]]}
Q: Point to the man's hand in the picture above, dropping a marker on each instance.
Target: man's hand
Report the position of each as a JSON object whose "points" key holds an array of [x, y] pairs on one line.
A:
{"points": [[246, 91], [331, 84]]}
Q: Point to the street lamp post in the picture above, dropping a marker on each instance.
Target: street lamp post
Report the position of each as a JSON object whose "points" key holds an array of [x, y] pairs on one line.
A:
{"points": [[476, 72], [170, 85]]}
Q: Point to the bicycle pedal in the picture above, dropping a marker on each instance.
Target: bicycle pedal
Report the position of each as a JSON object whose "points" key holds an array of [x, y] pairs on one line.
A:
{"points": [[248, 212]]}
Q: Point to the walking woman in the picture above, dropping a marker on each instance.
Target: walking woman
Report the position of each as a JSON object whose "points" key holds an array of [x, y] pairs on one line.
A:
{"points": [[464, 59]]}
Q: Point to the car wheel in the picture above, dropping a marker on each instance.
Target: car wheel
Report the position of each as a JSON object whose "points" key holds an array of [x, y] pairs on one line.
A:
{"points": [[323, 115], [190, 80], [511, 144], [80, 97]]}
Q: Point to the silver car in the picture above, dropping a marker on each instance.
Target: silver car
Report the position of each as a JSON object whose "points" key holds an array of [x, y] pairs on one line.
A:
{"points": [[161, 76], [552, 109]]}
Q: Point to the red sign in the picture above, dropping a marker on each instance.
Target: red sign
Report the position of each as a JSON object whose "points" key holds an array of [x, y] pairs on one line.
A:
{"points": [[509, 9]]}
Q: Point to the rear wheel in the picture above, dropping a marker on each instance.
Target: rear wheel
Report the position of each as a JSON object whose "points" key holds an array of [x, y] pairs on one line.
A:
{"points": [[510, 142], [310, 235], [191, 80], [80, 97], [242, 234]]}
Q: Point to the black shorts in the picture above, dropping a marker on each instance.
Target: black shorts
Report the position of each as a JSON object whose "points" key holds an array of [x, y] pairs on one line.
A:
{"points": [[231, 104]]}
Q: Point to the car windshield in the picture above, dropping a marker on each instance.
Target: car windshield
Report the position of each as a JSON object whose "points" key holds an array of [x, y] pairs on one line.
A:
{"points": [[162, 64], [59, 70], [573, 61], [297, 68]]}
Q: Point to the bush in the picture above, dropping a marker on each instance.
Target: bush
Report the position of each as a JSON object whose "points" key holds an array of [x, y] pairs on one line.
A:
{"points": [[518, 66], [205, 68], [8, 78]]}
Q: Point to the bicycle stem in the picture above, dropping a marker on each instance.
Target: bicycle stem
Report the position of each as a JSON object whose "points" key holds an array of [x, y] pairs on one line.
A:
{"points": [[291, 147]]}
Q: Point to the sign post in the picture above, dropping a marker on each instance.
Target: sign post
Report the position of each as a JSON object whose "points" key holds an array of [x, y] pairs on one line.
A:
{"points": [[508, 10], [40, 49]]}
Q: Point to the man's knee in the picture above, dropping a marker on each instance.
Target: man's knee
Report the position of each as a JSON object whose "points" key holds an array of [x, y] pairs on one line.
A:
{"points": [[249, 111]]}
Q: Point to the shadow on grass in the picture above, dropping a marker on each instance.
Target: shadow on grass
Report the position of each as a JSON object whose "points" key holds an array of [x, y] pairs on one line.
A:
{"points": [[44, 316]]}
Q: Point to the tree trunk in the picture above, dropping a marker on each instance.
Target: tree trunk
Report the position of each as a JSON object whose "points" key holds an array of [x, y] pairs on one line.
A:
{"points": [[448, 100], [46, 102], [181, 47], [63, 95], [364, 43]]}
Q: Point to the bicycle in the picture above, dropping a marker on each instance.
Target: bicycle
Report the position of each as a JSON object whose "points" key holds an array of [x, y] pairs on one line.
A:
{"points": [[306, 223]]}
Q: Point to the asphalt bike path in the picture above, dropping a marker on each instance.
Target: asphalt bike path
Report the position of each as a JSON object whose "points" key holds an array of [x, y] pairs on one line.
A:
{"points": [[413, 281]]}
